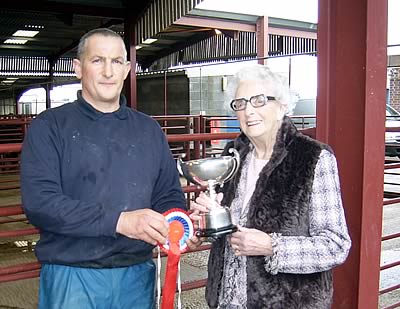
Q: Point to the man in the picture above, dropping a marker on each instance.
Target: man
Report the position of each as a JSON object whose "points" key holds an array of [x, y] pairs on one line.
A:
{"points": [[95, 176]]}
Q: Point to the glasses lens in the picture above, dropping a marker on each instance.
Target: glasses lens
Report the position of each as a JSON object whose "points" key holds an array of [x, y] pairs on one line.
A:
{"points": [[239, 104], [258, 101]]}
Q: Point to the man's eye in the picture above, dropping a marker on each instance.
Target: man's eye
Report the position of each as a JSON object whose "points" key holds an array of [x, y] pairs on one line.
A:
{"points": [[96, 60], [117, 61]]}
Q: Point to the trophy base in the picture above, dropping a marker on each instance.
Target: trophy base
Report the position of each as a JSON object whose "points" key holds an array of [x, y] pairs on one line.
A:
{"points": [[217, 232]]}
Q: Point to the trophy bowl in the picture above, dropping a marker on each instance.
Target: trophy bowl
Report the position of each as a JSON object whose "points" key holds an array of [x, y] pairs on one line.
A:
{"points": [[211, 172]]}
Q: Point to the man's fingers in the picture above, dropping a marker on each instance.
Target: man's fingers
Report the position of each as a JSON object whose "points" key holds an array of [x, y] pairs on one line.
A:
{"points": [[144, 224], [154, 235]]}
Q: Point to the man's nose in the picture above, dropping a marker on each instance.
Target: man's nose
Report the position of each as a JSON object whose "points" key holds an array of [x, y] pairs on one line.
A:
{"points": [[107, 69]]}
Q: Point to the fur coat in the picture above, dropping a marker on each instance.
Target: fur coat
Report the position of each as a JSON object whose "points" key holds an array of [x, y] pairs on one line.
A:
{"points": [[279, 205]]}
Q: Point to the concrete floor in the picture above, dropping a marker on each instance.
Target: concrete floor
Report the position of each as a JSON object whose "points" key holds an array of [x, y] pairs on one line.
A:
{"points": [[22, 294]]}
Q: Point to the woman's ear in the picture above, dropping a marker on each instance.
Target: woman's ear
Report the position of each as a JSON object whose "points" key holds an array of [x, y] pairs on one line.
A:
{"points": [[282, 111]]}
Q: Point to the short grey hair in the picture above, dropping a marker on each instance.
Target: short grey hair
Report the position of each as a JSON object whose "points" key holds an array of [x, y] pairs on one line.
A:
{"points": [[98, 31], [263, 73]]}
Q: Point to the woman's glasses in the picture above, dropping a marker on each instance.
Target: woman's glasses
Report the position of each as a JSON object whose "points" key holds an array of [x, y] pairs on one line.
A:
{"points": [[255, 101]]}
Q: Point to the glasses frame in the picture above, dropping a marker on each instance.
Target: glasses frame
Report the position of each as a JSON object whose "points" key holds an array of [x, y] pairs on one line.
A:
{"points": [[252, 100]]}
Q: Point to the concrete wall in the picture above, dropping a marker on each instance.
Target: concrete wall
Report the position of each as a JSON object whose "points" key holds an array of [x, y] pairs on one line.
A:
{"points": [[185, 95], [151, 96], [209, 96]]}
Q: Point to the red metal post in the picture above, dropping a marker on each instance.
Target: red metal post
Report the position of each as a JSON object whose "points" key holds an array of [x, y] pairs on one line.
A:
{"points": [[351, 118], [130, 82], [262, 39]]}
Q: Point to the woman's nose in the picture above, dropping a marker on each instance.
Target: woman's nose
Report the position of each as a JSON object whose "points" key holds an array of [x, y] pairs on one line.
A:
{"points": [[249, 109]]}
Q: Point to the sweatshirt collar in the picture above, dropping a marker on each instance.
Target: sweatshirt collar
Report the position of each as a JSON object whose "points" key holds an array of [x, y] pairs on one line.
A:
{"points": [[94, 114]]}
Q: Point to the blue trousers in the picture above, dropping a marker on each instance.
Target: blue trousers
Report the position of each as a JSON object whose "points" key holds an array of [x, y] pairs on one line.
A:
{"points": [[65, 287]]}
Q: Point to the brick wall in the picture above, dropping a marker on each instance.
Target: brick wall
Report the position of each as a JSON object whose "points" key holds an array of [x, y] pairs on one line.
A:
{"points": [[394, 90]]}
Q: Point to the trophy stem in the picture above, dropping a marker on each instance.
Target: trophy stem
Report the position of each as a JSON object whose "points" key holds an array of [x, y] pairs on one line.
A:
{"points": [[211, 189]]}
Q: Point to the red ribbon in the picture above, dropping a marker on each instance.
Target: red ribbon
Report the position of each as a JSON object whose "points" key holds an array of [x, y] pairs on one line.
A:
{"points": [[174, 254]]}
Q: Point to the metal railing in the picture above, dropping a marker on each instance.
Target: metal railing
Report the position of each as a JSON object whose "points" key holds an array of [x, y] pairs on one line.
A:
{"points": [[189, 135]]}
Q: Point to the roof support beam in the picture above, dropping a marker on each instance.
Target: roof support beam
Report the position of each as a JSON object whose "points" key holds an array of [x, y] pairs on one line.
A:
{"points": [[215, 24], [238, 26], [59, 7]]}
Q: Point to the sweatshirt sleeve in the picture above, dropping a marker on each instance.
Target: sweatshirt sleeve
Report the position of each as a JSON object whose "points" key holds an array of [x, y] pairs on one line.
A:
{"points": [[167, 193], [329, 242], [44, 202]]}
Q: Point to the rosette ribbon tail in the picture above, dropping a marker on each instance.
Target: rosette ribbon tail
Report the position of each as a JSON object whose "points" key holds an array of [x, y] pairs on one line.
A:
{"points": [[169, 289]]}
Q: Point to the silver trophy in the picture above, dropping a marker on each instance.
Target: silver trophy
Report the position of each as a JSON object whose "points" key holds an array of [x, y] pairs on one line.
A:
{"points": [[211, 172]]}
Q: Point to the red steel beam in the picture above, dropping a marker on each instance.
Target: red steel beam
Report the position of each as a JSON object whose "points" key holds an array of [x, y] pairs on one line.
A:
{"points": [[391, 265], [11, 210], [19, 268], [10, 147], [20, 276], [193, 285], [351, 99], [200, 136], [21, 232], [391, 236], [391, 201], [394, 306], [262, 39], [215, 24], [389, 289]]}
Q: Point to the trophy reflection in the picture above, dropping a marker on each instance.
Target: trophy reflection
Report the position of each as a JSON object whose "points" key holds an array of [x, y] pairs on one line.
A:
{"points": [[211, 172]]}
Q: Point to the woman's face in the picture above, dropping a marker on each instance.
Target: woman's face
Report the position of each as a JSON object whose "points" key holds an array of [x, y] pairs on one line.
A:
{"points": [[258, 123]]}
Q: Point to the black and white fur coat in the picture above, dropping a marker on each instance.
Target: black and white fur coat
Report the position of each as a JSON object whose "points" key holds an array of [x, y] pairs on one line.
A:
{"points": [[279, 205]]}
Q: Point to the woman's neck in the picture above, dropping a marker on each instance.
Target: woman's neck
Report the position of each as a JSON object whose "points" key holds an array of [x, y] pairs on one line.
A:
{"points": [[265, 147]]}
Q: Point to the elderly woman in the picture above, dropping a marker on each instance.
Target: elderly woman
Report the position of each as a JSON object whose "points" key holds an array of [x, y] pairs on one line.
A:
{"points": [[286, 201]]}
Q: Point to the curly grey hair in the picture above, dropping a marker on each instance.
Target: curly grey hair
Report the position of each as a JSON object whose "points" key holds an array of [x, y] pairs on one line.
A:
{"points": [[263, 73], [98, 31]]}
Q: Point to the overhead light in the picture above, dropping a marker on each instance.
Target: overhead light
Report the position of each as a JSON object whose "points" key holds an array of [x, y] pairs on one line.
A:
{"points": [[217, 31], [138, 47], [26, 33], [34, 26], [149, 41], [9, 80], [15, 41]]}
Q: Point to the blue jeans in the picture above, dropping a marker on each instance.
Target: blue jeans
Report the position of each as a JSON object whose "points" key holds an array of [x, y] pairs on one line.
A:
{"points": [[65, 287]]}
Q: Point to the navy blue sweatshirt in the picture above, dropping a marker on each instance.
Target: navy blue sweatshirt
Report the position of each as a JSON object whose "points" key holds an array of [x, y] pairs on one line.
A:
{"points": [[81, 168]]}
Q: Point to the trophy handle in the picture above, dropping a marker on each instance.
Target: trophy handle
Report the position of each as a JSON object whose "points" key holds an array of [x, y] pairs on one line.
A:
{"points": [[178, 166], [236, 164]]}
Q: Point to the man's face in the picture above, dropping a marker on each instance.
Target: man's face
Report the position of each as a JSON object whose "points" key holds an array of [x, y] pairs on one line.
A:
{"points": [[102, 70]]}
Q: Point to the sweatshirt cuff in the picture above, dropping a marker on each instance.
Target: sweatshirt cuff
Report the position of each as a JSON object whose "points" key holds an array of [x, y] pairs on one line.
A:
{"points": [[109, 224]]}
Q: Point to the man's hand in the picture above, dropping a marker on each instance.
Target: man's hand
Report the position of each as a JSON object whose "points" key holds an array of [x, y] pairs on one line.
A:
{"points": [[144, 224]]}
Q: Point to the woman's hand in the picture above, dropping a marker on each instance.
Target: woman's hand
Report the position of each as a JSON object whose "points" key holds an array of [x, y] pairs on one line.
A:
{"points": [[251, 242], [203, 204], [194, 242]]}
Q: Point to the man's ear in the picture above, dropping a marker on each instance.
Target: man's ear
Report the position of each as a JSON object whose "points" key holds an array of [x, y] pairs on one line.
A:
{"points": [[127, 68], [77, 68]]}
